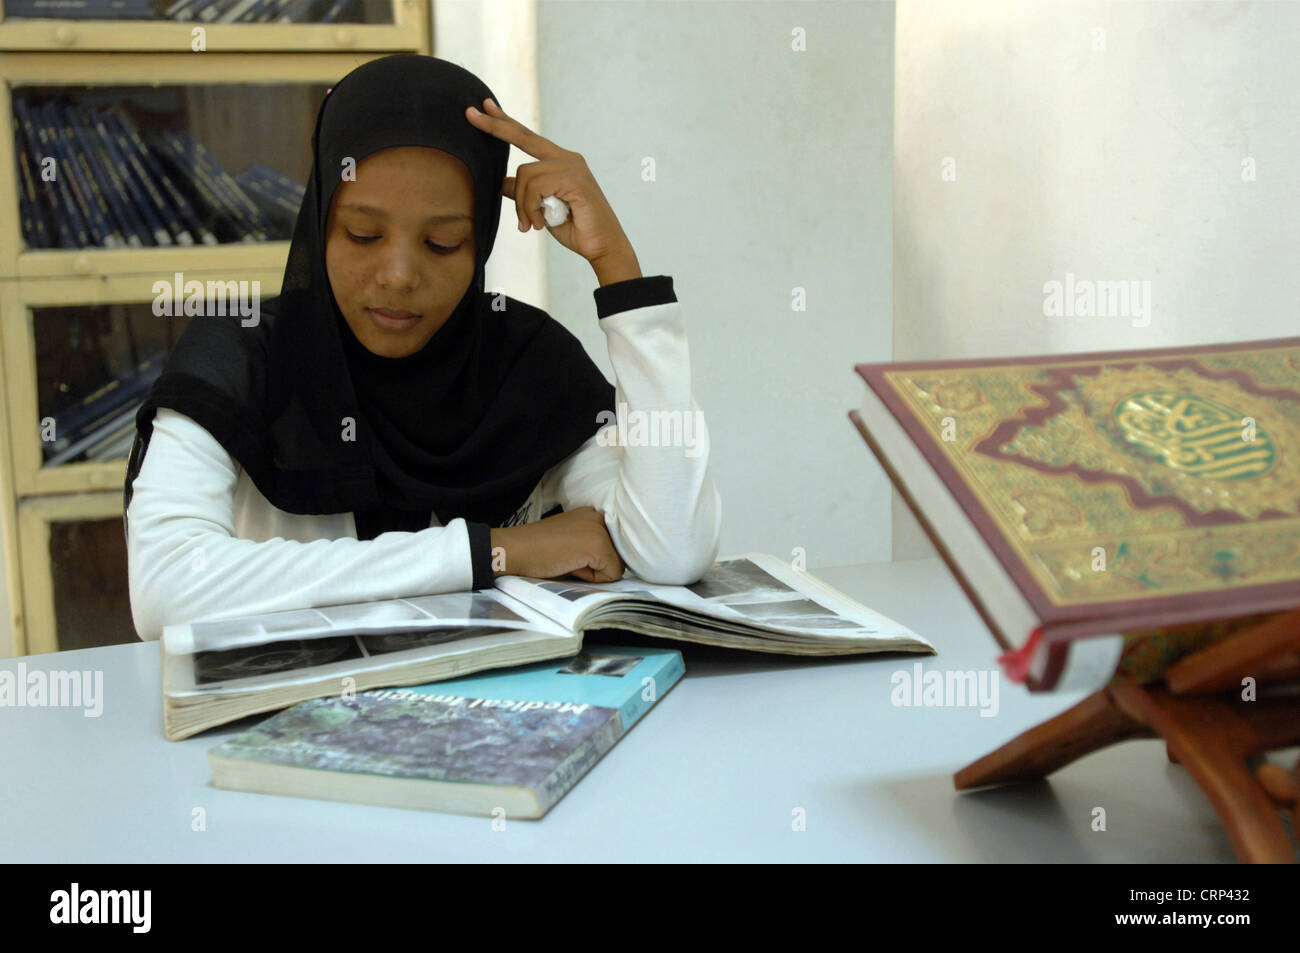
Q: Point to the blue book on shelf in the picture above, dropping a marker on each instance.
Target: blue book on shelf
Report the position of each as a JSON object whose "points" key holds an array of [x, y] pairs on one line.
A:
{"points": [[508, 744], [71, 226], [114, 187]]}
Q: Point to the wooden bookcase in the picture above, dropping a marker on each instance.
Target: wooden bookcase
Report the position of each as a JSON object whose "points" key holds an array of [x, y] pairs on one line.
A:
{"points": [[63, 542]]}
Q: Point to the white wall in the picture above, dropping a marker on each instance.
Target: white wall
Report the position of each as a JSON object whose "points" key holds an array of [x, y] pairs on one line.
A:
{"points": [[1112, 164], [496, 40], [772, 173]]}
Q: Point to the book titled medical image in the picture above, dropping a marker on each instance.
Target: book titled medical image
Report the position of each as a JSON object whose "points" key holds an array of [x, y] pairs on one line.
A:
{"points": [[504, 742], [430, 737]]}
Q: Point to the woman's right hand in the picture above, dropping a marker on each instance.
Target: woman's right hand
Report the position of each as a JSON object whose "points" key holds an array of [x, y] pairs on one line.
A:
{"points": [[574, 542]]}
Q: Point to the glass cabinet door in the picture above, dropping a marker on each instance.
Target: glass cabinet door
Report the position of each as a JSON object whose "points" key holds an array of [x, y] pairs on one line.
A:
{"points": [[76, 591], [94, 365], [75, 374], [129, 167]]}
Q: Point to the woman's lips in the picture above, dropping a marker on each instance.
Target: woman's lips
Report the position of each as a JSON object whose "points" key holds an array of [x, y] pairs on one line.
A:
{"points": [[392, 320]]}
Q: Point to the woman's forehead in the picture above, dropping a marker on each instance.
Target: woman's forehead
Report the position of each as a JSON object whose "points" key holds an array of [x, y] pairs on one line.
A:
{"points": [[404, 177], [412, 155]]}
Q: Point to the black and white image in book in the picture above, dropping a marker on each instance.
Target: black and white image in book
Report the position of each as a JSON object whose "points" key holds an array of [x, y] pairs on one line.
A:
{"points": [[230, 650], [752, 591], [592, 663]]}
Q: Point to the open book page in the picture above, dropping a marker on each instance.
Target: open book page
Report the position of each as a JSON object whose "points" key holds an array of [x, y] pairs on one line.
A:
{"points": [[751, 594], [294, 646], [566, 600], [769, 592]]}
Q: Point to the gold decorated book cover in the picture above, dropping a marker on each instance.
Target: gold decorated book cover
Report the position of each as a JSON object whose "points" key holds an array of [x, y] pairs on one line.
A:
{"points": [[1130, 488]]}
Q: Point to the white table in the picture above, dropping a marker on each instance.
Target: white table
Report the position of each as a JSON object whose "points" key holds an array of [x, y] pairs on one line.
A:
{"points": [[713, 773]]}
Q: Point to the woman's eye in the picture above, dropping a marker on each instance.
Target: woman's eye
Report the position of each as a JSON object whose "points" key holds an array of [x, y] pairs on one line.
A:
{"points": [[438, 249]]}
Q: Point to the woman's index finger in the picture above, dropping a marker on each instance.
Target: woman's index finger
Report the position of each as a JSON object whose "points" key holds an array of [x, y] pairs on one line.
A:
{"points": [[497, 123]]}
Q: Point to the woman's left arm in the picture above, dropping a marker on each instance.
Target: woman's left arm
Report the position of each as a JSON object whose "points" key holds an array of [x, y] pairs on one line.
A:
{"points": [[647, 469]]}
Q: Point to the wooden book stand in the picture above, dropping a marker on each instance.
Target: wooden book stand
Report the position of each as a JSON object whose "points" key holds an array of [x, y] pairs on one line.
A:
{"points": [[1207, 726]]}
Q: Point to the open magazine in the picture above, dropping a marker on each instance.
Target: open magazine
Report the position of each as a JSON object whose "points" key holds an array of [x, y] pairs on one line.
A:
{"points": [[217, 671]]}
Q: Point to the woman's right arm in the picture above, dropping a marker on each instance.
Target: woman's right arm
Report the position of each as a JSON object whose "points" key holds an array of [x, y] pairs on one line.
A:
{"points": [[185, 563]]}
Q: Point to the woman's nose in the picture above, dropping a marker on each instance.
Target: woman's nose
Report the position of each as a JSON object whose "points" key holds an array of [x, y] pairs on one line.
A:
{"points": [[397, 269]]}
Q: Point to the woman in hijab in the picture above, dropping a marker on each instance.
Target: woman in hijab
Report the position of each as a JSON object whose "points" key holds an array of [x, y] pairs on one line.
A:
{"points": [[387, 428]]}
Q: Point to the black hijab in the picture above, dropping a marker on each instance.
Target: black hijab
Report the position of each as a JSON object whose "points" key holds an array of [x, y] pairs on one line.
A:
{"points": [[464, 427]]}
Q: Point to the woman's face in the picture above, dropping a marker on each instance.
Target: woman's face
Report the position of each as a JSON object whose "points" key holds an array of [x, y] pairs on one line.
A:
{"points": [[400, 238]]}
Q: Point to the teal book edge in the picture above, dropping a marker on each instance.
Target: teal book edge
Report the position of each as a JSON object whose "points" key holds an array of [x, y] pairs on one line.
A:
{"points": [[556, 681]]}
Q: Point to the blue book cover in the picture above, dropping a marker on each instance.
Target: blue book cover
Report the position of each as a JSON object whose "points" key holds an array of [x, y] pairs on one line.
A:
{"points": [[115, 189], [59, 192], [510, 743], [73, 176]]}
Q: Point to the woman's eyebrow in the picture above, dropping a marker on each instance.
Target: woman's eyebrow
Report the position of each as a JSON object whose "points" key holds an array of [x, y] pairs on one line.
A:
{"points": [[380, 213]]}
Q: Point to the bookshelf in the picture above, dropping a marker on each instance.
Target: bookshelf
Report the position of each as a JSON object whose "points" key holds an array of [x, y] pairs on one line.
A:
{"points": [[229, 127]]}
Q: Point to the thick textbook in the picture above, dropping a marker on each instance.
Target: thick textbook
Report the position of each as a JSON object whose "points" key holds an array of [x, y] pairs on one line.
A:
{"points": [[1104, 512], [215, 671], [507, 744]]}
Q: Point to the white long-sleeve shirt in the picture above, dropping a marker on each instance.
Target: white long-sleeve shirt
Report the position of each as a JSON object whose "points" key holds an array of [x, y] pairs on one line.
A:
{"points": [[204, 543]]}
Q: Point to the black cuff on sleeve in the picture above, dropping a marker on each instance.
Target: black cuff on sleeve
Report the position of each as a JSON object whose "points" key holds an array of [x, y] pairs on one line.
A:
{"points": [[480, 554], [633, 293]]}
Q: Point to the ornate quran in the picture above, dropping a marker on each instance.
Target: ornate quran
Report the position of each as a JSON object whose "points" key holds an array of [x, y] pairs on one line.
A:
{"points": [[1158, 484]]}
